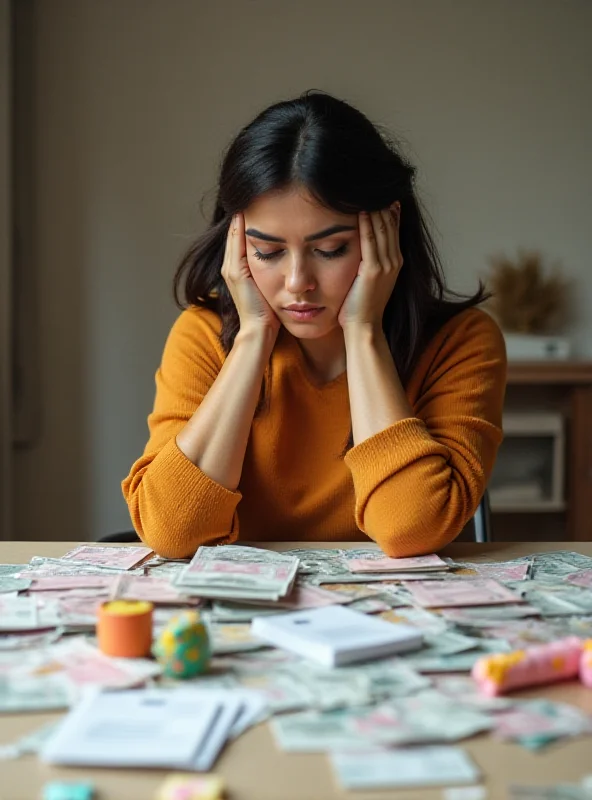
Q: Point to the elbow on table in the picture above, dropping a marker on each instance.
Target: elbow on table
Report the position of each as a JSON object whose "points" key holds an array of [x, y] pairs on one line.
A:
{"points": [[179, 537], [164, 540], [417, 536]]}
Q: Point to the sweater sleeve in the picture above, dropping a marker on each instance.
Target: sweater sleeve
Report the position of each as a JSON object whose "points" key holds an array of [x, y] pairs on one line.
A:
{"points": [[174, 506], [418, 482]]}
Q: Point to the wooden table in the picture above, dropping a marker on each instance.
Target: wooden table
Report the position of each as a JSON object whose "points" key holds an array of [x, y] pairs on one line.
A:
{"points": [[256, 770]]}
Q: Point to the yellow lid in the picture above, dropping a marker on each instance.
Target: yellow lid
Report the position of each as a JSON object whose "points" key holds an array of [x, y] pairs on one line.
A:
{"points": [[127, 607]]}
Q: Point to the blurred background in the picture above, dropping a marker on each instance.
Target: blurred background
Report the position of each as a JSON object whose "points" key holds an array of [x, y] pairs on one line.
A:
{"points": [[113, 118]]}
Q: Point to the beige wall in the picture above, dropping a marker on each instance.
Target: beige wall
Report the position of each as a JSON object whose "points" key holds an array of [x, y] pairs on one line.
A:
{"points": [[136, 98]]}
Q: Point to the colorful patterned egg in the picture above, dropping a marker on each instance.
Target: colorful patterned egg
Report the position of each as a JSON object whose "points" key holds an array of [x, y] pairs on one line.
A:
{"points": [[183, 647]]}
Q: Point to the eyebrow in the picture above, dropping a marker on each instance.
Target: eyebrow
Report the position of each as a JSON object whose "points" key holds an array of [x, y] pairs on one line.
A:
{"points": [[266, 237]]}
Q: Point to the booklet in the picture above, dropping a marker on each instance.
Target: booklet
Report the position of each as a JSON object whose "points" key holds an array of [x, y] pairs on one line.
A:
{"points": [[180, 728], [334, 635]]}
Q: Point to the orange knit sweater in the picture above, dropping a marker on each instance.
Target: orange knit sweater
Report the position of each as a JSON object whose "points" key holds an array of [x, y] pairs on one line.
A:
{"points": [[411, 488]]}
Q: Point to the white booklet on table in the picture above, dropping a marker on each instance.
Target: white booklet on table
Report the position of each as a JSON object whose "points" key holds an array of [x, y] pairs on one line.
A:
{"points": [[182, 728], [334, 635]]}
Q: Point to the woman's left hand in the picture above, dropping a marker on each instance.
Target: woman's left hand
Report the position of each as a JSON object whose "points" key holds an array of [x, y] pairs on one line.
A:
{"points": [[380, 266]]}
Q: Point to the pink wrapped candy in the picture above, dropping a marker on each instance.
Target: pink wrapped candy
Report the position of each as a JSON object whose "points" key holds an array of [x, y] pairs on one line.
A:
{"points": [[546, 663], [586, 663]]}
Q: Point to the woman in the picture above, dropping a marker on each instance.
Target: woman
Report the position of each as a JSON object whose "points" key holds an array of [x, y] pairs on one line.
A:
{"points": [[319, 385]]}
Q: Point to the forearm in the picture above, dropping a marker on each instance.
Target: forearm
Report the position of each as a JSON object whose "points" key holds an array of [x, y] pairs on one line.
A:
{"points": [[376, 395], [215, 438]]}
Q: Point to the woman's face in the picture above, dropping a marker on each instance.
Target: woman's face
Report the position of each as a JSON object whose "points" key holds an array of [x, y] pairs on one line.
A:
{"points": [[302, 254]]}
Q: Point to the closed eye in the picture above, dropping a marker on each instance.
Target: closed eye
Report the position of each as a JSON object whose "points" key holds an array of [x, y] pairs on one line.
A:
{"points": [[327, 254]]}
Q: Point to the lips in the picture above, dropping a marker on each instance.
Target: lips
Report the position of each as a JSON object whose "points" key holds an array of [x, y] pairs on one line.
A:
{"points": [[303, 313], [302, 307]]}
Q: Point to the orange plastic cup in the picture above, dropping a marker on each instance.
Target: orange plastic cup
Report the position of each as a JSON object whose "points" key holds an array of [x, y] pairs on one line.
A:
{"points": [[124, 628]]}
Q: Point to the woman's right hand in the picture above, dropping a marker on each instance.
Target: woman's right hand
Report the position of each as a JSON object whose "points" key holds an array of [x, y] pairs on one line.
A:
{"points": [[253, 310]]}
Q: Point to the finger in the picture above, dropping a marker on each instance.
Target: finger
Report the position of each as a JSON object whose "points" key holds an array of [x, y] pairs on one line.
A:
{"points": [[367, 239], [240, 245], [396, 210], [385, 238], [380, 229], [391, 238], [229, 247]]}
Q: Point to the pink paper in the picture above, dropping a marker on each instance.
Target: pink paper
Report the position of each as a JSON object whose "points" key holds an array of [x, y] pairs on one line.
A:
{"points": [[113, 557], [386, 564], [153, 590], [581, 578], [446, 594], [268, 571], [66, 582]]}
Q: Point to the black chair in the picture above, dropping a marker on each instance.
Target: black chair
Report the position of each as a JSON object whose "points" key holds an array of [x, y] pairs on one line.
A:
{"points": [[482, 520], [121, 538], [481, 526]]}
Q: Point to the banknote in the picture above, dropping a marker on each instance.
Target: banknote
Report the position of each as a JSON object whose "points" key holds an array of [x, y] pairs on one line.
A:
{"points": [[464, 690], [413, 767], [63, 583], [45, 567], [425, 717], [253, 660], [82, 664], [233, 571], [11, 569], [282, 691], [473, 592], [303, 686], [516, 570], [9, 583], [357, 591], [120, 557], [571, 600], [315, 731], [578, 625], [231, 637], [536, 723], [446, 643], [370, 605], [581, 578], [487, 616], [23, 613], [300, 598], [375, 561], [79, 612], [319, 561], [29, 640], [383, 678], [47, 693], [420, 618], [527, 632], [153, 589], [327, 566], [376, 577], [558, 564], [307, 595], [226, 611], [388, 678], [454, 662]]}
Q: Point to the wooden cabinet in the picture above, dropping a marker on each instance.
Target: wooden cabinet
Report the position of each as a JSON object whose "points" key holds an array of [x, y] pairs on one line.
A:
{"points": [[557, 399]]}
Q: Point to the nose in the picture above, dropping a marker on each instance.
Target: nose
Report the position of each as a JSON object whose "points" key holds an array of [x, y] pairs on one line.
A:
{"points": [[299, 278]]}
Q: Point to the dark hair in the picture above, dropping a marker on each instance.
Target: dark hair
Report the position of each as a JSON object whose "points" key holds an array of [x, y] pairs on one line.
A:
{"points": [[340, 157]]}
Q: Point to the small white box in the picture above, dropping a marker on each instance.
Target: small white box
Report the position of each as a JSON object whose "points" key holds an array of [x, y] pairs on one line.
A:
{"points": [[334, 635]]}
